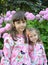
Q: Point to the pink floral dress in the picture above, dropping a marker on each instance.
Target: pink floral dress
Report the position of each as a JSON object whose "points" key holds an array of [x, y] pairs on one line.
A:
{"points": [[15, 52], [37, 54]]}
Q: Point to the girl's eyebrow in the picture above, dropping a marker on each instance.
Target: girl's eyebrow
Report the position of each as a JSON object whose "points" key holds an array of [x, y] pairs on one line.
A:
{"points": [[16, 20]]}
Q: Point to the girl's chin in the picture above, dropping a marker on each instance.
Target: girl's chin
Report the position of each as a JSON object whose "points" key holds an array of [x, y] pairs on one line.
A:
{"points": [[33, 41], [21, 30]]}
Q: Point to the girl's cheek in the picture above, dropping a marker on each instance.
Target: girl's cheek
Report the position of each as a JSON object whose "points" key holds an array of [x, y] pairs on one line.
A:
{"points": [[31, 39], [24, 24], [36, 37]]}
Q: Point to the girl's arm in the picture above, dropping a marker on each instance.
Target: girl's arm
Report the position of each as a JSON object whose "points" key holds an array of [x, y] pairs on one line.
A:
{"points": [[7, 49], [44, 55]]}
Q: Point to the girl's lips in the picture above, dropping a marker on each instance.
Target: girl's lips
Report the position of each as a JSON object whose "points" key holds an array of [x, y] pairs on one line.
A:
{"points": [[21, 28]]}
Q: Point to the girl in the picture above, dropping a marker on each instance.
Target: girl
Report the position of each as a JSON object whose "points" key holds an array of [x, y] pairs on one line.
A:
{"points": [[15, 44], [36, 48]]}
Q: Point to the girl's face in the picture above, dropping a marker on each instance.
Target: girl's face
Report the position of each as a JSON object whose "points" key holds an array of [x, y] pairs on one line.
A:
{"points": [[20, 26], [33, 36]]}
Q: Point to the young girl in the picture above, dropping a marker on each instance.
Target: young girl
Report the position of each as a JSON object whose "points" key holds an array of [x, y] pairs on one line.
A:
{"points": [[36, 48], [15, 44]]}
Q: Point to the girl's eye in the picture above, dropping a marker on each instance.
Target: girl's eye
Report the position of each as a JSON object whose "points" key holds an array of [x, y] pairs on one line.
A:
{"points": [[35, 35], [30, 36], [23, 21], [18, 22]]}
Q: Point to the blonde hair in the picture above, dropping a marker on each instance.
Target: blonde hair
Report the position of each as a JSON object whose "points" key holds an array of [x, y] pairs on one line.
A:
{"points": [[37, 31]]}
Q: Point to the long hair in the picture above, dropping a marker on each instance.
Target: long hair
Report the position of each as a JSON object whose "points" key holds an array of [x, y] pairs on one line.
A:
{"points": [[38, 33], [17, 17]]}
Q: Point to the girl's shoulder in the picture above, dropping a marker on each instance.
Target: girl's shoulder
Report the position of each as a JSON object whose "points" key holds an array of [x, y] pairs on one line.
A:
{"points": [[40, 45]]}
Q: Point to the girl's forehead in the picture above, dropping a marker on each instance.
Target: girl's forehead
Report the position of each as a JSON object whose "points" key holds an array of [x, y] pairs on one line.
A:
{"points": [[32, 33], [20, 20]]}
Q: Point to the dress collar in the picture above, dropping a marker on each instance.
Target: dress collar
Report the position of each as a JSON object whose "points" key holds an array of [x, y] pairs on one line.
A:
{"points": [[19, 35]]}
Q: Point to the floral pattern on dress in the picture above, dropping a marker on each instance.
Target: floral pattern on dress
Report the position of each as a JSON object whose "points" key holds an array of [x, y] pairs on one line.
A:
{"points": [[38, 56], [15, 52]]}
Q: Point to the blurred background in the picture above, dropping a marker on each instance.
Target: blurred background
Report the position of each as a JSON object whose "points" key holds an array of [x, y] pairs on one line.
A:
{"points": [[28, 5]]}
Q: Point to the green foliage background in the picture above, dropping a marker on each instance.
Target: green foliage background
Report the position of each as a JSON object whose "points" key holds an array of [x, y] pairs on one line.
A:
{"points": [[27, 5]]}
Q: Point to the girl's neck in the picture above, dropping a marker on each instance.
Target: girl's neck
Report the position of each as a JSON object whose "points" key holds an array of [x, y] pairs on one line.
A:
{"points": [[33, 43], [20, 33]]}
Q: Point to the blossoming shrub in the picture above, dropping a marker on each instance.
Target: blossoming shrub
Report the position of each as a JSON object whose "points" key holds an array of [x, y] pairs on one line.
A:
{"points": [[39, 21], [5, 24]]}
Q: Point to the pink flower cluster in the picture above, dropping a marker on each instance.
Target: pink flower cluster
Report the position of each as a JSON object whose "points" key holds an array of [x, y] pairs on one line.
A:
{"points": [[29, 16], [44, 14], [38, 16], [9, 15], [6, 28], [6, 18]]}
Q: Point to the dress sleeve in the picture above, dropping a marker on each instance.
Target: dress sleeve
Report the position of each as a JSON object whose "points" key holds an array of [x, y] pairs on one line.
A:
{"points": [[44, 56], [7, 49]]}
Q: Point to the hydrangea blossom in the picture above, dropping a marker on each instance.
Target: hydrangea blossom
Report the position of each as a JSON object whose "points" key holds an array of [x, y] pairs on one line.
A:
{"points": [[8, 13], [45, 17], [2, 30], [8, 16], [13, 12], [0, 26], [43, 12], [26, 13], [38, 16], [29, 16], [8, 27], [6, 19]]}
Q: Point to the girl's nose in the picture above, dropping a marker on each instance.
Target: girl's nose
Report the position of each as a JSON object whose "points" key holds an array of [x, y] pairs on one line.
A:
{"points": [[21, 24]]}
